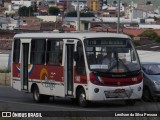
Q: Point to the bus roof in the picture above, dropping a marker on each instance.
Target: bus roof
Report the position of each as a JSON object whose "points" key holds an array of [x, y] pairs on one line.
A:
{"points": [[69, 35]]}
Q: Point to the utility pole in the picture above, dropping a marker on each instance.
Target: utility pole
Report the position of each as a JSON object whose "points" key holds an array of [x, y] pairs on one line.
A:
{"points": [[118, 18], [132, 11], [78, 16]]}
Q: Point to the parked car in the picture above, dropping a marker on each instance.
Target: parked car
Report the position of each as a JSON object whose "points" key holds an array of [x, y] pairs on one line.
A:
{"points": [[151, 80]]}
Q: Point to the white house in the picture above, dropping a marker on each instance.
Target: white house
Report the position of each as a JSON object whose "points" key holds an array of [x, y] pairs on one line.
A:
{"points": [[23, 3], [3, 23], [149, 26], [50, 18], [81, 5], [13, 7]]}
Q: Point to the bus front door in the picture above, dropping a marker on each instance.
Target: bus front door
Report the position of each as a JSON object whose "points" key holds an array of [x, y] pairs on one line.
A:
{"points": [[69, 69], [24, 67]]}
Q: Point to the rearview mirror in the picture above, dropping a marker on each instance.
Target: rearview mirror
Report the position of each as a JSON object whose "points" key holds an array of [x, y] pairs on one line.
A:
{"points": [[133, 57]]}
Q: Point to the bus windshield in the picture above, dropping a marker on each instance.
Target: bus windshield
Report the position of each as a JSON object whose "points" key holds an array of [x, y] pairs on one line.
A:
{"points": [[112, 55]]}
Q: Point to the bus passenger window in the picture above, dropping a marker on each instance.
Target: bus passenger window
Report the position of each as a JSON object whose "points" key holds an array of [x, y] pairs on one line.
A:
{"points": [[38, 47], [16, 51], [80, 63], [54, 52]]}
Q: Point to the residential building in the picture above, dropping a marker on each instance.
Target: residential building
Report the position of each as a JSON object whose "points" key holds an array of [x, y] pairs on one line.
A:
{"points": [[94, 5], [81, 5], [3, 23], [29, 23], [50, 18], [22, 3], [43, 10], [29, 20], [1, 3], [138, 13], [50, 26]]}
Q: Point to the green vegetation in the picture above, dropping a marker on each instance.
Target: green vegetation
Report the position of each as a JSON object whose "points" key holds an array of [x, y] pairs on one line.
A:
{"points": [[26, 11], [54, 10], [5, 71], [82, 14], [136, 43], [132, 36], [153, 36]]}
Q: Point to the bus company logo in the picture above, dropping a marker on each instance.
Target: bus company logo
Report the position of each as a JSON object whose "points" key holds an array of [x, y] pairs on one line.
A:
{"points": [[30, 68], [47, 83], [43, 74]]}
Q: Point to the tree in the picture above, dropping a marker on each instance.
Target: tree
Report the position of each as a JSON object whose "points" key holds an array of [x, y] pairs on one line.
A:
{"points": [[148, 2], [82, 14], [35, 7], [152, 35], [54, 11], [25, 11], [105, 2], [114, 2]]}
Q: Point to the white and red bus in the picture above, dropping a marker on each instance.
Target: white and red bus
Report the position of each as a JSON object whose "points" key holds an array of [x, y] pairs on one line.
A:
{"points": [[82, 66]]}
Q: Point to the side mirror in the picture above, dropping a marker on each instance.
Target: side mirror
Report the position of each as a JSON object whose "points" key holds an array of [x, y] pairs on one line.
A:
{"points": [[133, 57], [76, 56]]}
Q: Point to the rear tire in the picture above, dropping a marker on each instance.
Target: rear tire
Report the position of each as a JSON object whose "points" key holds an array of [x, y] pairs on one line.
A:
{"points": [[39, 97], [36, 95]]}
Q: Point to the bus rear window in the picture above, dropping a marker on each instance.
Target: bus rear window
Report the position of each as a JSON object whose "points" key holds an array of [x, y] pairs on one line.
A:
{"points": [[16, 51]]}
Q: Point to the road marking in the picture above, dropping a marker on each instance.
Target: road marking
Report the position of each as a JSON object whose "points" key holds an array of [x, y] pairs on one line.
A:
{"points": [[48, 106]]}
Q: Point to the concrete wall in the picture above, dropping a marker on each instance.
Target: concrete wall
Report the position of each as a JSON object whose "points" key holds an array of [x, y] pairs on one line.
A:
{"points": [[5, 62], [5, 79]]}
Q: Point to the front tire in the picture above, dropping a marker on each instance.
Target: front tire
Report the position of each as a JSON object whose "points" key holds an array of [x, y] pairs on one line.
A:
{"points": [[82, 98], [130, 102]]}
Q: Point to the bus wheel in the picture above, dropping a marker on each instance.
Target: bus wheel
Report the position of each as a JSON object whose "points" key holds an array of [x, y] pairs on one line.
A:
{"points": [[36, 95], [130, 102], [82, 98]]}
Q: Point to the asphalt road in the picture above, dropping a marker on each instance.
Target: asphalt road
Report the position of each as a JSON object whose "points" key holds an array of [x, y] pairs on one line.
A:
{"points": [[11, 99], [16, 101]]}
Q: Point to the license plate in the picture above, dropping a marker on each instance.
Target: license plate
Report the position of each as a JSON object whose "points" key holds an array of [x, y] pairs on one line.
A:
{"points": [[118, 93]]}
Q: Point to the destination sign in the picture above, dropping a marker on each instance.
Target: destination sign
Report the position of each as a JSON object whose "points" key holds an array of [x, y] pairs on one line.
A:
{"points": [[107, 41]]}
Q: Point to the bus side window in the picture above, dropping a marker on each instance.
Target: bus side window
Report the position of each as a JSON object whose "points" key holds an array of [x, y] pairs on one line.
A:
{"points": [[38, 47], [80, 63], [54, 52], [16, 51]]}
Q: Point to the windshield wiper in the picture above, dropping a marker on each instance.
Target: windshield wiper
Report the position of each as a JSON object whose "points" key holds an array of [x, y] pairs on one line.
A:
{"points": [[124, 65], [112, 66], [117, 64]]}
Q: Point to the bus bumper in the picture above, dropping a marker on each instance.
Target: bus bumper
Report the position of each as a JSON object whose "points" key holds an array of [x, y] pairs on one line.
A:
{"points": [[99, 93]]}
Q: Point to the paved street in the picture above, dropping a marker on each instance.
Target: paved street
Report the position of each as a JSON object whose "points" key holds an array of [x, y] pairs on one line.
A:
{"points": [[14, 100]]}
